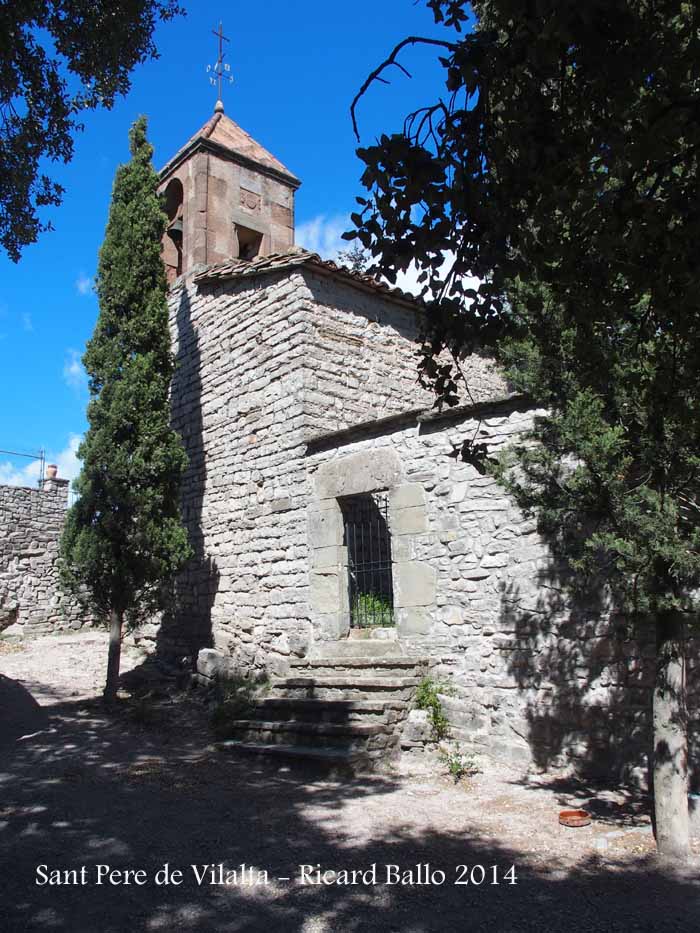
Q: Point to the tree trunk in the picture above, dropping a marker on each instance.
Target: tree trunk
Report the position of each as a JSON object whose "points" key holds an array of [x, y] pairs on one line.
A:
{"points": [[114, 656], [670, 715]]}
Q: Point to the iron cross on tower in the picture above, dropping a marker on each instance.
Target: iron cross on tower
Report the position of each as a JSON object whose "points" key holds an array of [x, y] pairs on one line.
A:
{"points": [[219, 71]]}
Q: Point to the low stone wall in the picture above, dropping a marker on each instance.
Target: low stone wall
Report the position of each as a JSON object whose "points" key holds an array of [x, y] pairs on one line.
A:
{"points": [[31, 600]]}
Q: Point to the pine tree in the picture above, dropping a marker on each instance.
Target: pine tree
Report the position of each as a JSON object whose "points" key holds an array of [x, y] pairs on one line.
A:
{"points": [[123, 537], [355, 258]]}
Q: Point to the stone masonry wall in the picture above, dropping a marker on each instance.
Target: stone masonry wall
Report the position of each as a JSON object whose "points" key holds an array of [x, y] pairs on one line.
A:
{"points": [[363, 360], [218, 196], [266, 364], [237, 401], [31, 600], [260, 368], [533, 678]]}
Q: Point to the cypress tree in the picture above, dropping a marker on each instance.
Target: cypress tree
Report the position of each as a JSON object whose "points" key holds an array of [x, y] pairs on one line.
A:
{"points": [[123, 537]]}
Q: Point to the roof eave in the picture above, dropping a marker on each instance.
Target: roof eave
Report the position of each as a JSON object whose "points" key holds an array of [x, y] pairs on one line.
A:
{"points": [[339, 274], [224, 152], [414, 304]]}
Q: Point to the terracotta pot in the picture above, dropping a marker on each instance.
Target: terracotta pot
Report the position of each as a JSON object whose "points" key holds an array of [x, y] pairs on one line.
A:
{"points": [[51, 471], [574, 818]]}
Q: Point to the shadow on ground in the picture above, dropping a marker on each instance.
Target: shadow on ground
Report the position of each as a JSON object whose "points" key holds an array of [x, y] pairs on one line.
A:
{"points": [[21, 714], [136, 791]]}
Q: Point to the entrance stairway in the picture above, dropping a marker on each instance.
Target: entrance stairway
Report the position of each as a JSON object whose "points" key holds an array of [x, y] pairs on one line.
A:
{"points": [[344, 711]]}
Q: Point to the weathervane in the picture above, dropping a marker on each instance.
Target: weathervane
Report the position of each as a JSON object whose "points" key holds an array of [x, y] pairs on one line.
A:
{"points": [[218, 72]]}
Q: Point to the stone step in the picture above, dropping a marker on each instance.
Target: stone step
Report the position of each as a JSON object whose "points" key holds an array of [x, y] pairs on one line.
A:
{"points": [[346, 706], [332, 729], [313, 710], [386, 633], [374, 666], [349, 736], [345, 686], [357, 647], [354, 663], [339, 760]]}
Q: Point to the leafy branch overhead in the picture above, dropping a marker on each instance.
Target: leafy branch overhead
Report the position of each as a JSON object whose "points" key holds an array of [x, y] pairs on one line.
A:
{"points": [[566, 142], [561, 169], [59, 59]]}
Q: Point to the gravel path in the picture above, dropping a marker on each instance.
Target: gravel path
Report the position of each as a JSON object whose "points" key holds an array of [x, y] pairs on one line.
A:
{"points": [[142, 787]]}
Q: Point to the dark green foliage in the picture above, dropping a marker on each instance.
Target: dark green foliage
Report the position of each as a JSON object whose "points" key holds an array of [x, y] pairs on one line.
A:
{"points": [[372, 609], [561, 168], [614, 476], [355, 259], [123, 538], [565, 150], [59, 58]]}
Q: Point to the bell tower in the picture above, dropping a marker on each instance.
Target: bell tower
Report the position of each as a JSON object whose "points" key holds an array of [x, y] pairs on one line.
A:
{"points": [[225, 195]]}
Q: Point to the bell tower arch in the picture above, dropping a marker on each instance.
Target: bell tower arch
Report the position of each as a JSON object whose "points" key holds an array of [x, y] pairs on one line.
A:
{"points": [[226, 197]]}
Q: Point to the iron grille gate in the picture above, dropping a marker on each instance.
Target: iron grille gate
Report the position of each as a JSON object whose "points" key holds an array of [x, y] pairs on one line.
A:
{"points": [[367, 538]]}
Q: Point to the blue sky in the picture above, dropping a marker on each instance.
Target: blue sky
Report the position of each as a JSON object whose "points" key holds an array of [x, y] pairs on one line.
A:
{"points": [[296, 69]]}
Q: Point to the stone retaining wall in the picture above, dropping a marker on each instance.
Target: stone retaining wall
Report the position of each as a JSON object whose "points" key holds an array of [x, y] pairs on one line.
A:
{"points": [[31, 600]]}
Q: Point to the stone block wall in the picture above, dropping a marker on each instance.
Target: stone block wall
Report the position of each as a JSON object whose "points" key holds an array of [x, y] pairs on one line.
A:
{"points": [[363, 359], [257, 374], [238, 403], [532, 677], [219, 197], [267, 364], [31, 599]]}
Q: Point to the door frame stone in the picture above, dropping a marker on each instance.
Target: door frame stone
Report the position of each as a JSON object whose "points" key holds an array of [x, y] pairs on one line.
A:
{"points": [[414, 581]]}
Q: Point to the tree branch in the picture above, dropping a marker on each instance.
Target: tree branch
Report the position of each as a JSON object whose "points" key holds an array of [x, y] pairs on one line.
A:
{"points": [[391, 60]]}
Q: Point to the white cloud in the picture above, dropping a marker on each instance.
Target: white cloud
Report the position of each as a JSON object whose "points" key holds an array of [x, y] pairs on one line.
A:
{"points": [[73, 372], [67, 460], [27, 474], [12, 475], [408, 281], [322, 235], [84, 284]]}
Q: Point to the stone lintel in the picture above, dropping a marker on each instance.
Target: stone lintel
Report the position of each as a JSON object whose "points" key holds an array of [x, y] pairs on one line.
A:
{"points": [[363, 472]]}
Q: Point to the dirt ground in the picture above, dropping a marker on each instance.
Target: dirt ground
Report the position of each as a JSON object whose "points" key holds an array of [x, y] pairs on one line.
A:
{"points": [[143, 786]]}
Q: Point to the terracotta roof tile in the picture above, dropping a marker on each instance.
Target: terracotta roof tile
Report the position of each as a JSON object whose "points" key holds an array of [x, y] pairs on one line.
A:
{"points": [[297, 256], [222, 131]]}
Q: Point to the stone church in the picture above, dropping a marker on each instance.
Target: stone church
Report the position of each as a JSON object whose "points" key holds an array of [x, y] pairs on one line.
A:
{"points": [[342, 548]]}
